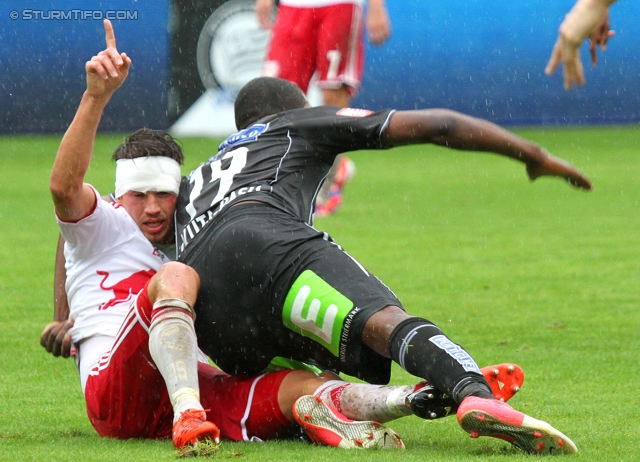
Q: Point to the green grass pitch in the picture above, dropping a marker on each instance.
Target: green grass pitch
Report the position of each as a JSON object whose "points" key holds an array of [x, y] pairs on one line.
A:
{"points": [[536, 273]]}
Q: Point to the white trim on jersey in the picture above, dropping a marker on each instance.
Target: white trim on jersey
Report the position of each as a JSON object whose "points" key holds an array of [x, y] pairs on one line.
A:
{"points": [[313, 201], [329, 239], [350, 76], [385, 124], [128, 324], [91, 351], [275, 179], [326, 238], [247, 411]]}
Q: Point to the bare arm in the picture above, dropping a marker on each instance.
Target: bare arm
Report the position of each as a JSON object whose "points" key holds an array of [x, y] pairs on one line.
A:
{"points": [[378, 24], [60, 301], [55, 337], [458, 131], [264, 11], [105, 73], [72, 198]]}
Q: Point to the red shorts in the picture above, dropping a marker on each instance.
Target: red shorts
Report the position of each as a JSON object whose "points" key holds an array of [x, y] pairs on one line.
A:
{"points": [[127, 398], [328, 40]]}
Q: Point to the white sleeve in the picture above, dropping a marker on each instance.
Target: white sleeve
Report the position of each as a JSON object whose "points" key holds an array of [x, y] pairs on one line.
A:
{"points": [[104, 228]]}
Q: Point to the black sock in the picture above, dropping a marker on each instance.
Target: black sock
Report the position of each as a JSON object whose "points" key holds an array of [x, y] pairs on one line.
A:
{"points": [[422, 349]]}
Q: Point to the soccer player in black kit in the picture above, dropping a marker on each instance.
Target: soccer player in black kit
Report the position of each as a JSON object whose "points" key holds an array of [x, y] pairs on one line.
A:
{"points": [[272, 285]]}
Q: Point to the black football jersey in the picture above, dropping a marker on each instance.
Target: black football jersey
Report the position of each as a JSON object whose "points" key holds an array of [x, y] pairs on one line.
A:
{"points": [[282, 160]]}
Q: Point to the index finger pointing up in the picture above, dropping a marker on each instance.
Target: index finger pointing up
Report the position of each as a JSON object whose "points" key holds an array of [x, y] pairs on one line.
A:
{"points": [[109, 35]]}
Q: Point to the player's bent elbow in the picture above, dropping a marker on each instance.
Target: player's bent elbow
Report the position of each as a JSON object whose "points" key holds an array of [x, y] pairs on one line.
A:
{"points": [[62, 192]]}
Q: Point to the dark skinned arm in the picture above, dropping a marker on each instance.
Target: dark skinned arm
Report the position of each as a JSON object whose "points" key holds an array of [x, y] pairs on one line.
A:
{"points": [[454, 130]]}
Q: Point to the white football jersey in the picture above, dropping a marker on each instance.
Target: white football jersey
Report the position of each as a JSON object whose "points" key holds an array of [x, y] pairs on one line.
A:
{"points": [[109, 261]]}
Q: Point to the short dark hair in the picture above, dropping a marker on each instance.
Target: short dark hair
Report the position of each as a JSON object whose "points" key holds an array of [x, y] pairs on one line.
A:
{"points": [[264, 96], [146, 142]]}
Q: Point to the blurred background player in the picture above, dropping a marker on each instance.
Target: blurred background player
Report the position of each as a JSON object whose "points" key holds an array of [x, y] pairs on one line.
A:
{"points": [[587, 19], [325, 38]]}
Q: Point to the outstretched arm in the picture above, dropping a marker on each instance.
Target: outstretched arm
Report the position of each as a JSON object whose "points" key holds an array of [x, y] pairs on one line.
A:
{"points": [[105, 73], [587, 19], [458, 131]]}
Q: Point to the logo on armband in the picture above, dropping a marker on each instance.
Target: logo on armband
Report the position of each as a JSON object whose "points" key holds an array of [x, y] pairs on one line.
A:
{"points": [[243, 136], [354, 112], [316, 310]]}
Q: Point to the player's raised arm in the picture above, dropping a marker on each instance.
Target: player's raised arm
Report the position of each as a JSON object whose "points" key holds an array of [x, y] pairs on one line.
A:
{"points": [[105, 74], [458, 131]]}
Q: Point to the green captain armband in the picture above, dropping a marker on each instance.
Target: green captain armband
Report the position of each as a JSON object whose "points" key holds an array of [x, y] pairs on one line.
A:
{"points": [[316, 310]]}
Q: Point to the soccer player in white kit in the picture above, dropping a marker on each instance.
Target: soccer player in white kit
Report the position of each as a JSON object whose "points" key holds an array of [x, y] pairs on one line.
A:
{"points": [[111, 247]]}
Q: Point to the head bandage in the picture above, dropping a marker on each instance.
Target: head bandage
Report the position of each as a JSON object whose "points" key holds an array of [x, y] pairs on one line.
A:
{"points": [[152, 173]]}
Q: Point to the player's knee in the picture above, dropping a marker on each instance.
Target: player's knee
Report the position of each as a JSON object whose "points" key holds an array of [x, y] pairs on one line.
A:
{"points": [[174, 280], [305, 382], [175, 269]]}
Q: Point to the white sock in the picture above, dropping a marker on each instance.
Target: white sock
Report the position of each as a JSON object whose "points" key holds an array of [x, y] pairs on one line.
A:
{"points": [[173, 347], [183, 400], [359, 401]]}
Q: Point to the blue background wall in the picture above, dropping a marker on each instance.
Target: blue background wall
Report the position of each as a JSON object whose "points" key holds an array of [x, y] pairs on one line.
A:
{"points": [[485, 58], [42, 65]]}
